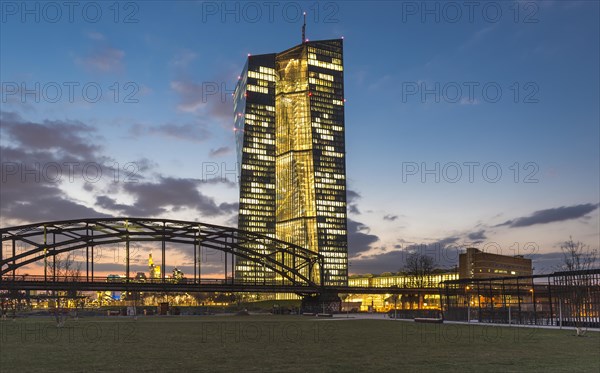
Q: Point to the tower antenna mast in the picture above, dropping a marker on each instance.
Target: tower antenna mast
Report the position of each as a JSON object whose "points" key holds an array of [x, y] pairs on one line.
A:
{"points": [[304, 29]]}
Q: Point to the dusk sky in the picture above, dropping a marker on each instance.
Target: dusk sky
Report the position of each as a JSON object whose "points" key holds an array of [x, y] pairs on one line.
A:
{"points": [[464, 126]]}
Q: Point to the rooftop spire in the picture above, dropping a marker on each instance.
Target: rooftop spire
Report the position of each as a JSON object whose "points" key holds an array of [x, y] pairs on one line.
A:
{"points": [[304, 29]]}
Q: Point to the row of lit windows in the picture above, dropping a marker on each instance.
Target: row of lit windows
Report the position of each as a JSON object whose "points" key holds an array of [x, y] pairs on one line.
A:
{"points": [[268, 77], [247, 191], [260, 166], [264, 83], [259, 107], [325, 52], [332, 214], [325, 93], [261, 213], [332, 174], [329, 132], [334, 254], [255, 226], [326, 180], [320, 104], [255, 167], [330, 203], [333, 154], [322, 193], [257, 201], [317, 107], [256, 88], [266, 70], [335, 231], [254, 150], [267, 185], [335, 263], [328, 225], [259, 174], [333, 249], [325, 65], [330, 208], [321, 83], [256, 123], [321, 130], [321, 89], [253, 218], [326, 121]]}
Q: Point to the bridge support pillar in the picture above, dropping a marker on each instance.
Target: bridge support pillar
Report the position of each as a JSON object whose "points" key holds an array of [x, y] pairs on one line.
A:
{"points": [[325, 302]]}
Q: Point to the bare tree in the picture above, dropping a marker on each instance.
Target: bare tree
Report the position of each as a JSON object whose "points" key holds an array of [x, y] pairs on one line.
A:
{"points": [[577, 259], [67, 271], [420, 266]]}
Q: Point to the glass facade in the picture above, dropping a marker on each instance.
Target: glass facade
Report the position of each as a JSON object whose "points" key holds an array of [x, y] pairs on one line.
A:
{"points": [[254, 126], [293, 165]]}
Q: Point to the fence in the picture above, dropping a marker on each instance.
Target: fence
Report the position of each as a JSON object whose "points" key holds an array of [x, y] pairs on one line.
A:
{"points": [[560, 299]]}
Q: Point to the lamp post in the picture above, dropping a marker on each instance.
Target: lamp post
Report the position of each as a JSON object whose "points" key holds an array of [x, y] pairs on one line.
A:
{"points": [[468, 304]]}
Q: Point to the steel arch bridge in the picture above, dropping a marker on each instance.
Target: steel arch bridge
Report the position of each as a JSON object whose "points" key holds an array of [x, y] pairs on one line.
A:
{"points": [[291, 267]]}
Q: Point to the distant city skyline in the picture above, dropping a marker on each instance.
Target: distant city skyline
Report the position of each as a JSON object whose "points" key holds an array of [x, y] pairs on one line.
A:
{"points": [[476, 131]]}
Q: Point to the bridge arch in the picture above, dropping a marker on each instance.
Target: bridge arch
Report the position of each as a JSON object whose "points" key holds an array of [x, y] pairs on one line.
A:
{"points": [[290, 264]]}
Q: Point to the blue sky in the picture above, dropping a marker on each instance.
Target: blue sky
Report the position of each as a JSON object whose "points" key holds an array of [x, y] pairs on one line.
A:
{"points": [[428, 86]]}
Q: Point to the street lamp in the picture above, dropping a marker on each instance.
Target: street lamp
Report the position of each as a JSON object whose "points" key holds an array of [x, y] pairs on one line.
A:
{"points": [[468, 304]]}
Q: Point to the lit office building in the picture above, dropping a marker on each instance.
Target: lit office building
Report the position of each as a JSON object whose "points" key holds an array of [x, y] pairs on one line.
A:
{"points": [[289, 123]]}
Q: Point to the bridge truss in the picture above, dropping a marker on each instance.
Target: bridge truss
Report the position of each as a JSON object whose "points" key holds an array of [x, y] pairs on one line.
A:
{"points": [[294, 268]]}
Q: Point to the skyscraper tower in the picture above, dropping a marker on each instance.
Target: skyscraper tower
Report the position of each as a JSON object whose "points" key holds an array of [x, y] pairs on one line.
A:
{"points": [[289, 124]]}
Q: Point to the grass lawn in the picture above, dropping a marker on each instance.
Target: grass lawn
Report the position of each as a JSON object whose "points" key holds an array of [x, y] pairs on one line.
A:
{"points": [[287, 344]]}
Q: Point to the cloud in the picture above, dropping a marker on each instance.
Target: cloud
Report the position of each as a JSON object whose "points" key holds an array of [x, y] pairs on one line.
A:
{"points": [[183, 59], [218, 152], [102, 56], [477, 236], [40, 157], [186, 132], [105, 59], [551, 215], [66, 137], [168, 194], [359, 238], [390, 217], [208, 98], [391, 261], [32, 191], [547, 262], [444, 252], [353, 209], [352, 197]]}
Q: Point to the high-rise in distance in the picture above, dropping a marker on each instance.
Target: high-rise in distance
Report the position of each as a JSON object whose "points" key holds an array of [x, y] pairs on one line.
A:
{"points": [[289, 124]]}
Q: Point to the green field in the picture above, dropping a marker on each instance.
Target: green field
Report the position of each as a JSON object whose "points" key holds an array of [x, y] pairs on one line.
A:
{"points": [[287, 344]]}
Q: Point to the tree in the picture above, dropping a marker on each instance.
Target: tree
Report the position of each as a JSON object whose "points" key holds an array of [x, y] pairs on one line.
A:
{"points": [[420, 266], [68, 272], [578, 258]]}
